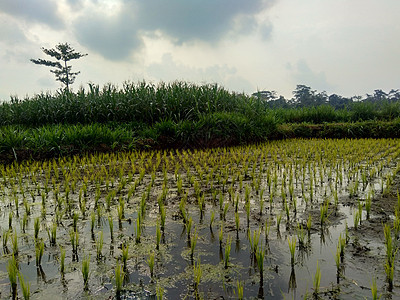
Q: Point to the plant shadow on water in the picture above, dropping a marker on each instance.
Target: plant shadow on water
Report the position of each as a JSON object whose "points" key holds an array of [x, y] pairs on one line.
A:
{"points": [[257, 219]]}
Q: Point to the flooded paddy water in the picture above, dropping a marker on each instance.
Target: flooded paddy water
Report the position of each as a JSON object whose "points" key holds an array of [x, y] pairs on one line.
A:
{"points": [[294, 219]]}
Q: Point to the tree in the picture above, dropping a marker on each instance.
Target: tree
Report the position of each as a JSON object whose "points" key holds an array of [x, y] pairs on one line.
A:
{"points": [[63, 53]]}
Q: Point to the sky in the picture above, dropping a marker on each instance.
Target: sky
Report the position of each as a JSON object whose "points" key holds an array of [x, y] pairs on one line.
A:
{"points": [[346, 47]]}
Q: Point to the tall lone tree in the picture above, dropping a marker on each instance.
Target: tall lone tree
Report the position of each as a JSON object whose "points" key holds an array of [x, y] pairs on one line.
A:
{"points": [[63, 53]]}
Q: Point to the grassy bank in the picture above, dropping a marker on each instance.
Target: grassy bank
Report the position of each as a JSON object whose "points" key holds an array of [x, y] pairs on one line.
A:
{"points": [[176, 115]]}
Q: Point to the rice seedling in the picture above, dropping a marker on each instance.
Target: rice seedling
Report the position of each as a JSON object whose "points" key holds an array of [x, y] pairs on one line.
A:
{"points": [[368, 204], [239, 287], [226, 207], [24, 222], [396, 225], [197, 274], [75, 218], [92, 222], [150, 262], [260, 254], [292, 249], [221, 235], [158, 236], [99, 245], [301, 235], [261, 201], [111, 227], [25, 286], [337, 256], [52, 234], [189, 227], [356, 218], [74, 239], [254, 241], [390, 256], [309, 224], [159, 292], [182, 209], [212, 218], [193, 242], [138, 230], [323, 213], [85, 272], [125, 255], [10, 218], [237, 223], [119, 279], [287, 211], [12, 271], [62, 260], [374, 290], [278, 222], [39, 249], [317, 280], [163, 215], [227, 252], [14, 243]]}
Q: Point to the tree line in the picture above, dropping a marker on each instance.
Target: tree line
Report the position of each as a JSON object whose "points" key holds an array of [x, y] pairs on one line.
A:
{"points": [[305, 96]]}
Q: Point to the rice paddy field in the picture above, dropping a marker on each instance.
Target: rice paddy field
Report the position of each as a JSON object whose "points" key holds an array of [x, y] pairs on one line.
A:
{"points": [[288, 219]]}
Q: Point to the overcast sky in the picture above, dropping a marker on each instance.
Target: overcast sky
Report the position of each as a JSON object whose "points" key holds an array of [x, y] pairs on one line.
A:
{"points": [[348, 47]]}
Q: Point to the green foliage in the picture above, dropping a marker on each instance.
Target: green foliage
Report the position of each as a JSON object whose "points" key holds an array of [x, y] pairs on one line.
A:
{"points": [[63, 53]]}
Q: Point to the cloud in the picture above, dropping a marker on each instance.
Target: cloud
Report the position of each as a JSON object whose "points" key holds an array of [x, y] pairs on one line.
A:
{"points": [[206, 20], [169, 70], [113, 37], [116, 33], [303, 74], [41, 11], [10, 33]]}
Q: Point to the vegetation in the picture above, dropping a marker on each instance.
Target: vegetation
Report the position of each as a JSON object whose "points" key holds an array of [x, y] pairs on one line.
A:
{"points": [[175, 115], [63, 53], [165, 199]]}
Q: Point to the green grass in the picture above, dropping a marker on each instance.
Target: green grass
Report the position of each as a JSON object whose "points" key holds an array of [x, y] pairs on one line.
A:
{"points": [[178, 114]]}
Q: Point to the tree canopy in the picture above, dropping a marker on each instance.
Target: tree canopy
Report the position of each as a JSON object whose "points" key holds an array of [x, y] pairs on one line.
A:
{"points": [[63, 53]]}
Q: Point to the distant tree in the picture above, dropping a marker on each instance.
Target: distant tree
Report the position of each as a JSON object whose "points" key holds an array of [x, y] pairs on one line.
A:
{"points": [[339, 102], [63, 53]]}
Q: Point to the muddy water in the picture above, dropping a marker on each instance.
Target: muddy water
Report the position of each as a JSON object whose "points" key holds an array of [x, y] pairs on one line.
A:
{"points": [[363, 261]]}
